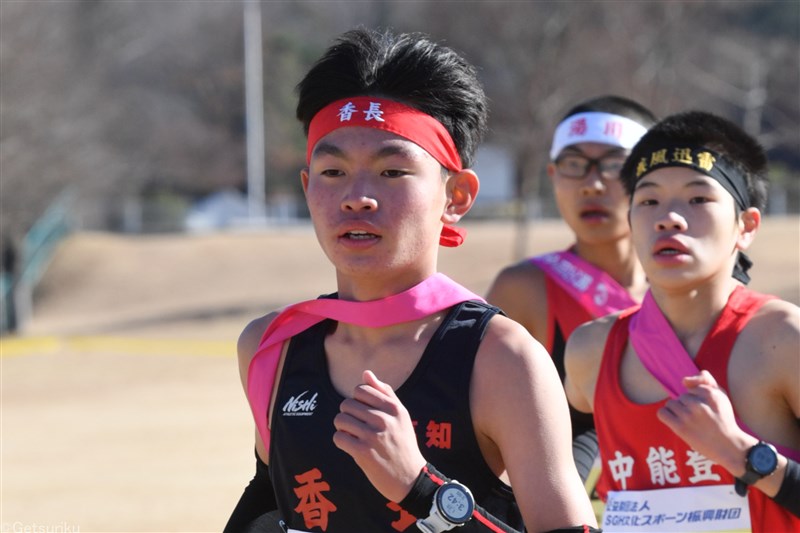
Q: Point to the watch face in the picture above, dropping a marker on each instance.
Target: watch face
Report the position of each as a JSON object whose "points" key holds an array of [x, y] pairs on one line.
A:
{"points": [[455, 503], [763, 459]]}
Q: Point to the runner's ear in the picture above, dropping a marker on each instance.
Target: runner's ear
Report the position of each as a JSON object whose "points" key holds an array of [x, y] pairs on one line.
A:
{"points": [[749, 223], [462, 189], [551, 171], [304, 178]]}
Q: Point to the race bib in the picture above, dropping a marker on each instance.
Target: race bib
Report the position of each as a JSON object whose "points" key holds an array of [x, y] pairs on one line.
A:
{"points": [[677, 510]]}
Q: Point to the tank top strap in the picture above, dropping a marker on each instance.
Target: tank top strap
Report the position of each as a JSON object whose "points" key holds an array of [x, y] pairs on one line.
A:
{"points": [[715, 352]]}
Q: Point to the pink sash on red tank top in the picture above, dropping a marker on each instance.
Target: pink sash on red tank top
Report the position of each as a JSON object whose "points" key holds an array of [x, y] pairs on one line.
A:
{"points": [[597, 292], [435, 294], [663, 355], [659, 349]]}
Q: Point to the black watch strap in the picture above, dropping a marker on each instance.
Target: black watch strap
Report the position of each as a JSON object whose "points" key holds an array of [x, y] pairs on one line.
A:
{"points": [[742, 483]]}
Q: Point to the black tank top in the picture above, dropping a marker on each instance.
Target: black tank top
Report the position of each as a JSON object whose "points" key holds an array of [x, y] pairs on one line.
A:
{"points": [[320, 488]]}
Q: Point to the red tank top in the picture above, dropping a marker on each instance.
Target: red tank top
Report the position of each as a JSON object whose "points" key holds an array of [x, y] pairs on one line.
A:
{"points": [[660, 458], [563, 312]]}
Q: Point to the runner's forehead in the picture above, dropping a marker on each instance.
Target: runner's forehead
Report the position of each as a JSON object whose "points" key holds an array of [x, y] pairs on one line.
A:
{"points": [[591, 149], [344, 142]]}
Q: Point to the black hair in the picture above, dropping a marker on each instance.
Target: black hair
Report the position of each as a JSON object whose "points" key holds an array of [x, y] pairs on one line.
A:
{"points": [[699, 128], [406, 67], [617, 105]]}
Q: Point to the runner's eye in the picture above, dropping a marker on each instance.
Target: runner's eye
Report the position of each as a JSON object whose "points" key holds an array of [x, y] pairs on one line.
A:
{"points": [[572, 165], [394, 173], [331, 173], [612, 165], [645, 201], [699, 200]]}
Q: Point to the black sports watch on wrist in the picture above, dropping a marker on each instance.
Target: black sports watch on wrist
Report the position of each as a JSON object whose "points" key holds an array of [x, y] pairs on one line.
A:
{"points": [[762, 460], [452, 507]]}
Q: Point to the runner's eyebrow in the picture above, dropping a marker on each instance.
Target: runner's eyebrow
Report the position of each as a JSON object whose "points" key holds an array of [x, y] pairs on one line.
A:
{"points": [[396, 150], [698, 183], [328, 148]]}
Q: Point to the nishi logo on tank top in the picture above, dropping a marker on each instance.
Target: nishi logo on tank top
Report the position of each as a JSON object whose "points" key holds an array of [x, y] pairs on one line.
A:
{"points": [[300, 405]]}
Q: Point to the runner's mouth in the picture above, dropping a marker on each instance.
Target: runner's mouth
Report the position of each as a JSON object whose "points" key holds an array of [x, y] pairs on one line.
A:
{"points": [[359, 235], [669, 251], [594, 213]]}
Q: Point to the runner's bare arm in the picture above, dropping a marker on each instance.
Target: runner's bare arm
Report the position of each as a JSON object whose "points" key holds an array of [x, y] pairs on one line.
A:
{"points": [[784, 337], [521, 420], [246, 348], [258, 497], [519, 290], [582, 357]]}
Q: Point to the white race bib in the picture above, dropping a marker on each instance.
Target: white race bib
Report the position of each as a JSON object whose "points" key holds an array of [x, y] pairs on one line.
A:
{"points": [[680, 509]]}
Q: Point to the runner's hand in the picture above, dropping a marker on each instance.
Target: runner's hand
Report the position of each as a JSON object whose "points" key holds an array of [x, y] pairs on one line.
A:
{"points": [[375, 429], [703, 417]]}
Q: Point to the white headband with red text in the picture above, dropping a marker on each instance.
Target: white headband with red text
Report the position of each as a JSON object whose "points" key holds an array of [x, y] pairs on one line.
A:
{"points": [[597, 127]]}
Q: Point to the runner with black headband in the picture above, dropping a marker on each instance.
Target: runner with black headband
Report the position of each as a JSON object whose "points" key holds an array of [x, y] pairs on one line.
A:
{"points": [[371, 402], [694, 393], [599, 272]]}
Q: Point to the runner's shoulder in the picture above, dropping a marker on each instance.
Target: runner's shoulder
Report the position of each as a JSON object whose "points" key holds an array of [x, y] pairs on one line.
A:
{"points": [[518, 285], [250, 338], [589, 336]]}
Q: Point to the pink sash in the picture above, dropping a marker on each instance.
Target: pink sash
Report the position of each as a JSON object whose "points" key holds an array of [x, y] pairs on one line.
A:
{"points": [[659, 349], [663, 355], [435, 294], [597, 292]]}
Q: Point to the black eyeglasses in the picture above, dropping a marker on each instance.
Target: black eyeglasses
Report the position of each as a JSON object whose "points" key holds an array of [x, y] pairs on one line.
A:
{"points": [[576, 166]]}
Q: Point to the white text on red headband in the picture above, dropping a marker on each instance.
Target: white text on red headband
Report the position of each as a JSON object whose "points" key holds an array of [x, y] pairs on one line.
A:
{"points": [[388, 115]]}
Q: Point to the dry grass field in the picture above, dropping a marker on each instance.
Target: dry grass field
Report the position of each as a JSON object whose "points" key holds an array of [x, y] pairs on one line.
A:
{"points": [[121, 405]]}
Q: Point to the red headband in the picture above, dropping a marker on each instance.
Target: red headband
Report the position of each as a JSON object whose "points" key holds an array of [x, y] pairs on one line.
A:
{"points": [[388, 115], [394, 117]]}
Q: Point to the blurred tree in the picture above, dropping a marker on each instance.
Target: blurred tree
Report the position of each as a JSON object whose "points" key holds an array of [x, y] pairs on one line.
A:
{"points": [[125, 99], [540, 58]]}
